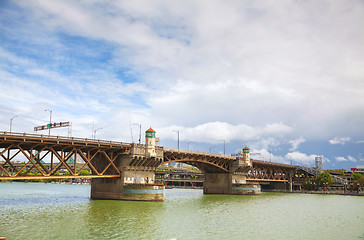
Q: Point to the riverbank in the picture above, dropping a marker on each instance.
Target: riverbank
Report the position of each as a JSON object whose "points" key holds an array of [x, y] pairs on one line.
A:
{"points": [[330, 192]]}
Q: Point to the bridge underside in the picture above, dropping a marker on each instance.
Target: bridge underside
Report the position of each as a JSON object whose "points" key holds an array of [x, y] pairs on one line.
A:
{"points": [[23, 158], [270, 172], [205, 163]]}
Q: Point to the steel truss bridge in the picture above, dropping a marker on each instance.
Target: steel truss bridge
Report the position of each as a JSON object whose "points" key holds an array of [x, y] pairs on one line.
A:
{"points": [[48, 156]]}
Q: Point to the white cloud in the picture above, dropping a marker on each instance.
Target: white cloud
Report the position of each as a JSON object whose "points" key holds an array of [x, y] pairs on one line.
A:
{"points": [[351, 159], [339, 140], [212, 132], [302, 158], [343, 159], [271, 70], [256, 73], [265, 155], [296, 142]]}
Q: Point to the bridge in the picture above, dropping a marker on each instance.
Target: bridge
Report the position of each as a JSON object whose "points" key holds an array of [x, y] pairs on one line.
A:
{"points": [[126, 170]]}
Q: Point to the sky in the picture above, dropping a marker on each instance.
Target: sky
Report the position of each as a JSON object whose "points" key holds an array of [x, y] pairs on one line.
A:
{"points": [[284, 77]]}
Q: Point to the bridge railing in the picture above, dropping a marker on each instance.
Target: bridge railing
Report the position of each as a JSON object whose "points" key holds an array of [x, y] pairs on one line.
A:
{"points": [[309, 170], [340, 180], [52, 137], [313, 171], [199, 153]]}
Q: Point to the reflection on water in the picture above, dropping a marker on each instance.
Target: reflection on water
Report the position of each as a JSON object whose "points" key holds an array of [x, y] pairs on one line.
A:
{"points": [[61, 211]]}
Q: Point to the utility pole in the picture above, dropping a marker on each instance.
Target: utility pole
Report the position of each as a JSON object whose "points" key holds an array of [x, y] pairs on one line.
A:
{"points": [[95, 132], [188, 145], [177, 138], [93, 129], [50, 121], [212, 148], [11, 121], [224, 147], [140, 130], [270, 156]]}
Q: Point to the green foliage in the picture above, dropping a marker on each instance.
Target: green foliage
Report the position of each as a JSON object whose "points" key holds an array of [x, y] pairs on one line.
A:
{"points": [[323, 178], [307, 182], [360, 180], [35, 174], [85, 172], [356, 176], [340, 171]]}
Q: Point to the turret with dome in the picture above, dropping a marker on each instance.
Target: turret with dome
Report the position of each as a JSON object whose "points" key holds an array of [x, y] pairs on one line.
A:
{"points": [[150, 142]]}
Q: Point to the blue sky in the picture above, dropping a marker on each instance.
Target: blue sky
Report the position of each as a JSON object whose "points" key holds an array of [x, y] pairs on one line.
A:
{"points": [[285, 78]]}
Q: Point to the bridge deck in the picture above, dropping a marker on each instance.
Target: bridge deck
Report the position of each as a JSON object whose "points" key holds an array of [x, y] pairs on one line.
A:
{"points": [[6, 137], [36, 148]]}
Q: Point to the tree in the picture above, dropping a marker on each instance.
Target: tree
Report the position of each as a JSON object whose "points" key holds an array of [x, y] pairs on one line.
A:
{"points": [[356, 176], [85, 172], [359, 180], [324, 178]]}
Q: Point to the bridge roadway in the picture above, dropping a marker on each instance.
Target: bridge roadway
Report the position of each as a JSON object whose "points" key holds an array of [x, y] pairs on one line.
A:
{"points": [[59, 148], [125, 162]]}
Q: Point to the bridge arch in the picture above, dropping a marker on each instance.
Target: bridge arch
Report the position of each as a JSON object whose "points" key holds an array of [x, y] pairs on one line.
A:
{"points": [[206, 162], [203, 165]]}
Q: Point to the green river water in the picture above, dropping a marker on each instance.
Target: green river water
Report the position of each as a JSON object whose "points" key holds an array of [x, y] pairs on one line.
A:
{"points": [[63, 211]]}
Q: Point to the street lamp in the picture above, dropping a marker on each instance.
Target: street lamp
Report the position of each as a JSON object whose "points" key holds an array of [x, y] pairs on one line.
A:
{"points": [[212, 148], [95, 132], [188, 145], [177, 138], [11, 121], [224, 147], [50, 120], [140, 130]]}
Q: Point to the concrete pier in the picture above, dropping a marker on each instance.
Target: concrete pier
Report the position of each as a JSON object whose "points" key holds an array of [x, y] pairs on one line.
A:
{"points": [[226, 183], [137, 178]]}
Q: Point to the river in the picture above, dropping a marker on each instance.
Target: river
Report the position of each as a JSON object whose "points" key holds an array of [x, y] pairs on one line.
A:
{"points": [[63, 211]]}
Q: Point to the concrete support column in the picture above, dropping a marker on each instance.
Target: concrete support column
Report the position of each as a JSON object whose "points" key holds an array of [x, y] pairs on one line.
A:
{"points": [[217, 183], [290, 176], [229, 183], [107, 188], [135, 184]]}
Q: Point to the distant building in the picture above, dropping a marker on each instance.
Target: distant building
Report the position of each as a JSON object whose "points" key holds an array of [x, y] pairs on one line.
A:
{"points": [[358, 169], [318, 164]]}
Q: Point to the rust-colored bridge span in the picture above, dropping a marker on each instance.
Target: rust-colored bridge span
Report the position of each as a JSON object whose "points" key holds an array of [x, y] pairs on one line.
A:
{"points": [[71, 154], [209, 162], [47, 155]]}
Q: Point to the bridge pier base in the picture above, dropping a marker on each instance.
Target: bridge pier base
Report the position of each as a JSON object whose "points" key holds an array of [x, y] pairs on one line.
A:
{"points": [[134, 183], [116, 189], [228, 183], [106, 188]]}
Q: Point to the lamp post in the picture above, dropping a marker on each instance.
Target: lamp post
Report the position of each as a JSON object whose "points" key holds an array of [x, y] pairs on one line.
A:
{"points": [[188, 145], [50, 121], [177, 138], [11, 122], [212, 148], [140, 130], [95, 132], [224, 147]]}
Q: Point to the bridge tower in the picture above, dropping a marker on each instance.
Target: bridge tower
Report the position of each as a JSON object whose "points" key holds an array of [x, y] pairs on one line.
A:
{"points": [[150, 143], [246, 154], [137, 174]]}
